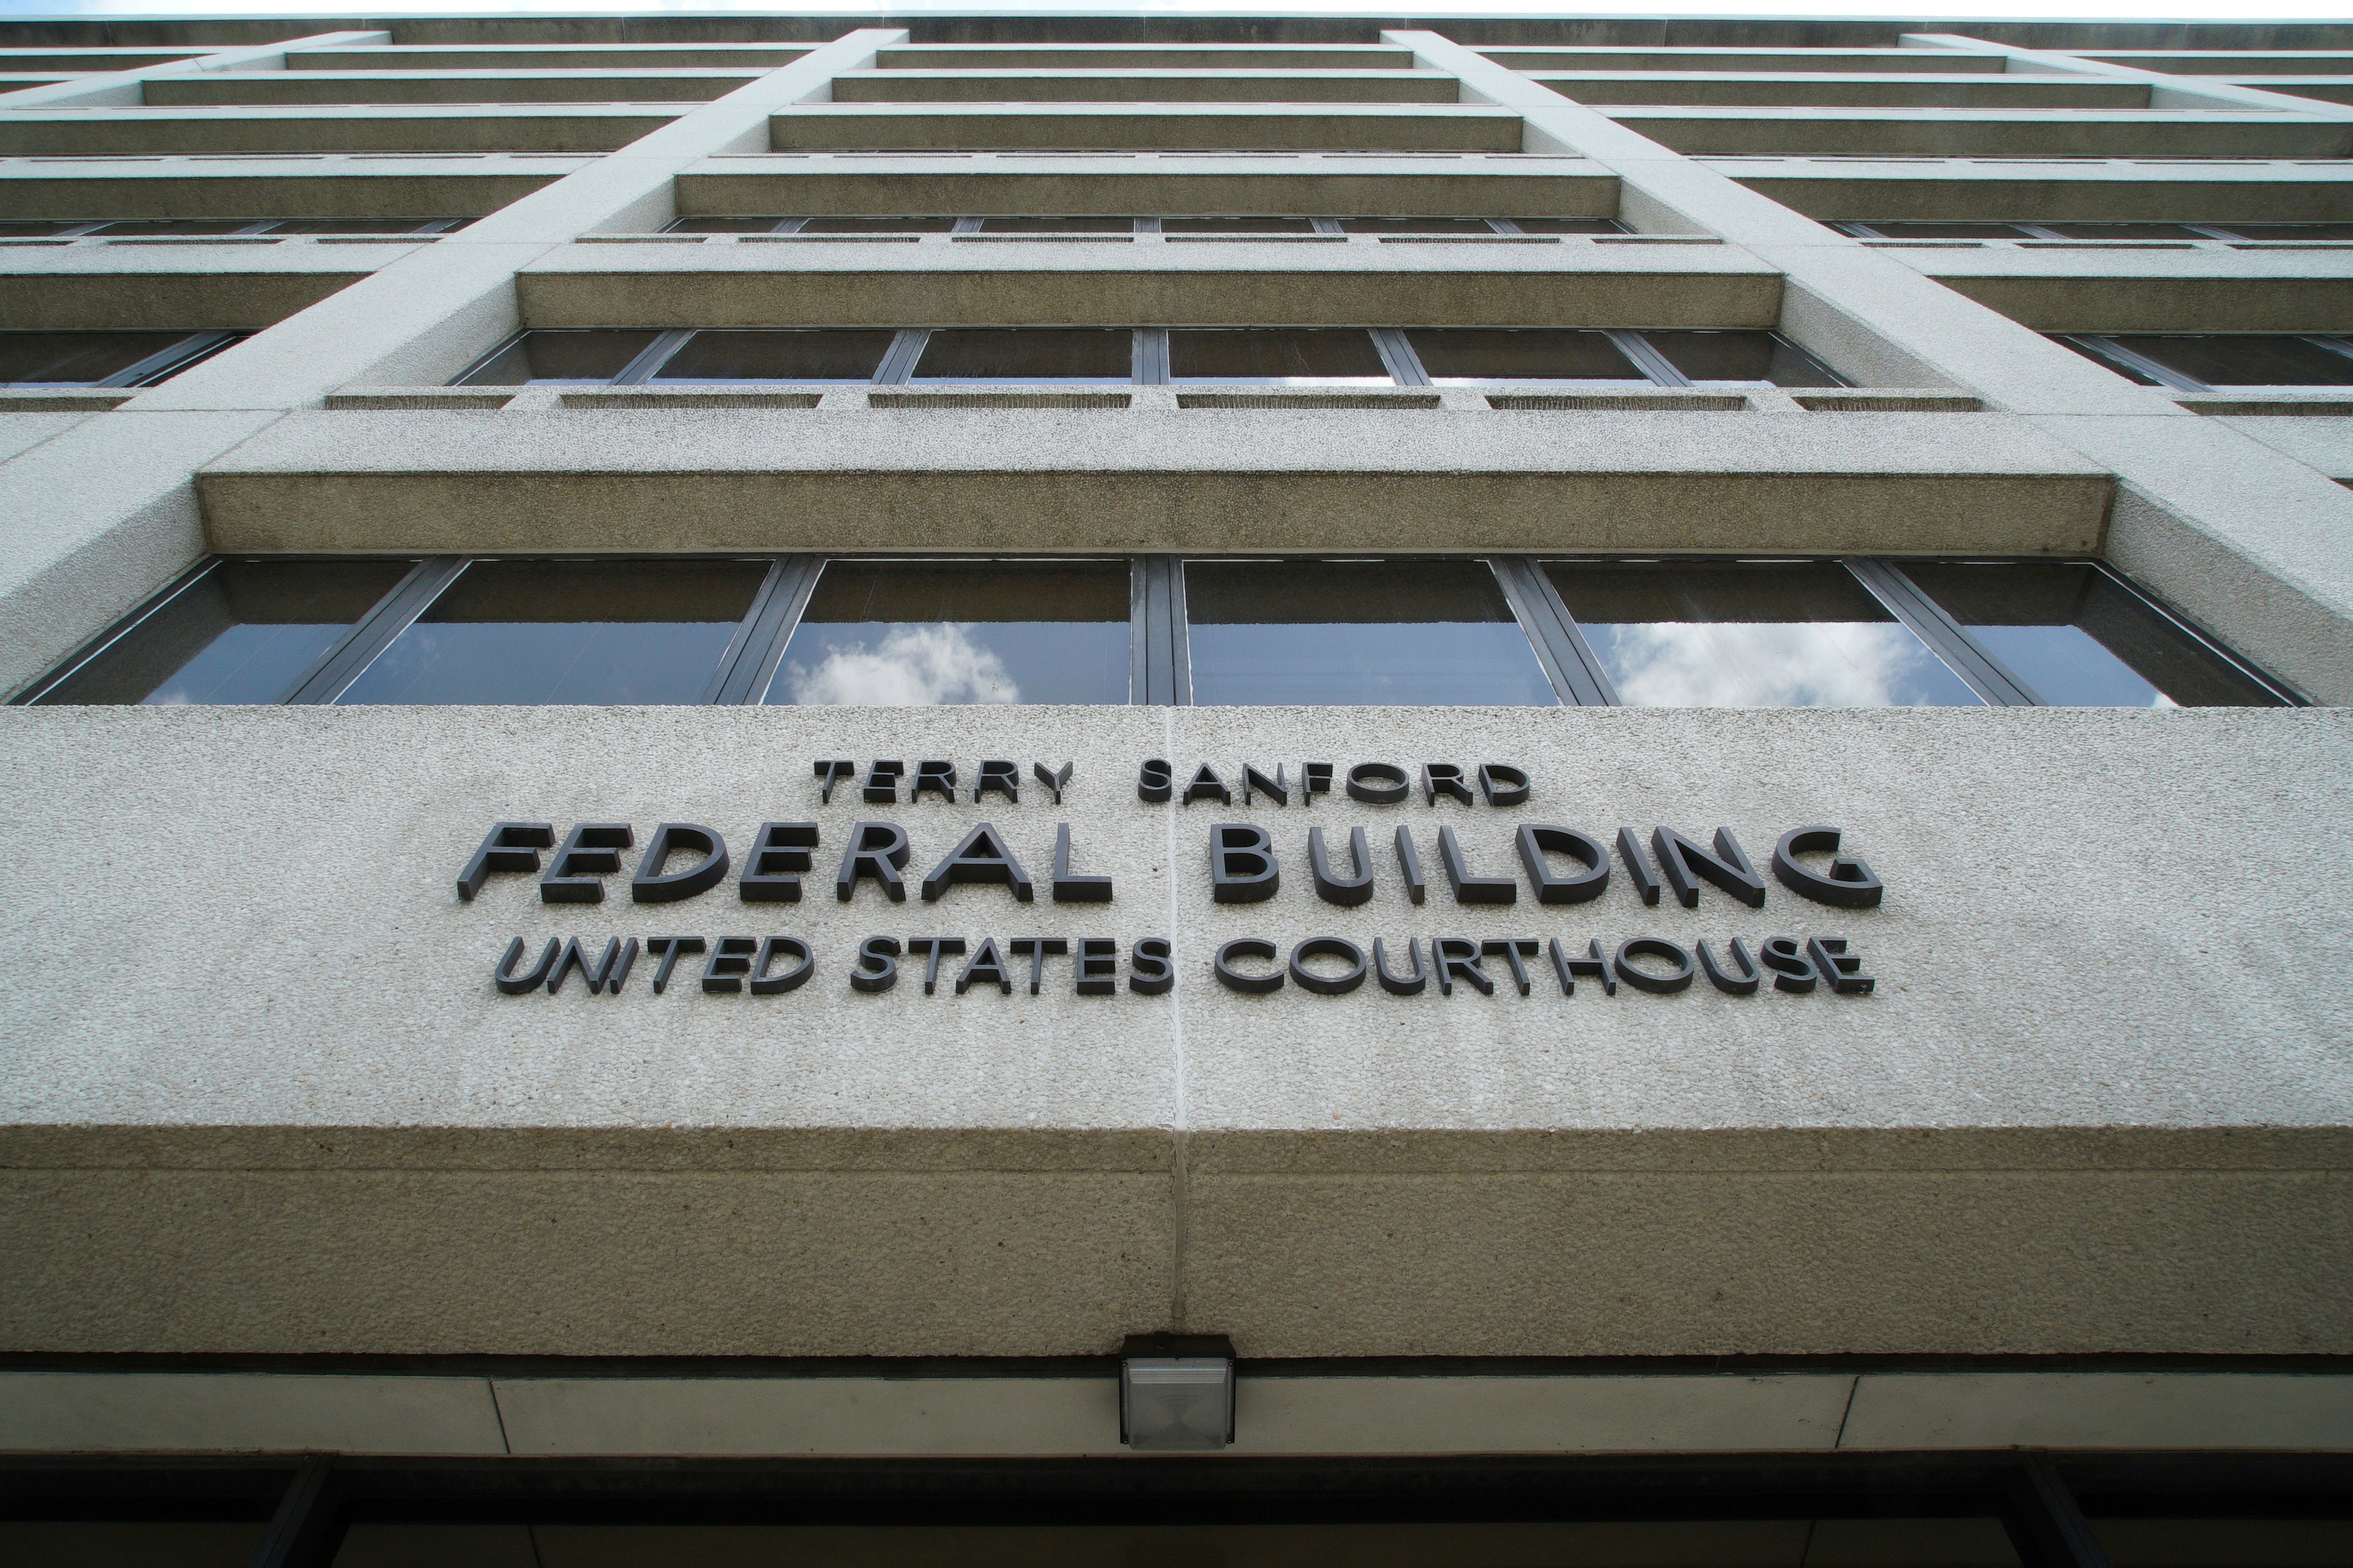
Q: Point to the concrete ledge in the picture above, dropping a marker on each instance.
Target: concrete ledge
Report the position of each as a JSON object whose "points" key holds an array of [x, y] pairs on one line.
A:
{"points": [[685, 397], [1003, 397], [2083, 193], [1307, 400], [1271, 127], [1632, 401], [238, 1412], [136, 294], [2308, 407], [83, 400], [416, 397], [1876, 402], [1700, 130], [2116, 1410]]}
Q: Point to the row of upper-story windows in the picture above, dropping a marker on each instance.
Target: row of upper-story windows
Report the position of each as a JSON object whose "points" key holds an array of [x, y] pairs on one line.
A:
{"points": [[1285, 356], [2206, 362], [1912, 228], [219, 227], [1471, 227], [1503, 631], [38, 359]]}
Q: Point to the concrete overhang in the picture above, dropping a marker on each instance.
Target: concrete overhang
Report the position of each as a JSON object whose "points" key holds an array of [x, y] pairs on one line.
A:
{"points": [[1060, 480], [1170, 185], [940, 281], [2196, 190], [507, 58], [2192, 289], [148, 287], [1100, 56], [1265, 127], [595, 85], [1129, 84], [1529, 57], [1699, 131], [457, 185], [1889, 90], [369, 128]]}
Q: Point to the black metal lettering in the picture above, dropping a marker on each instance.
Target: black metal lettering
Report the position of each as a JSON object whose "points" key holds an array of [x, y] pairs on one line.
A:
{"points": [[604, 975], [1680, 973], [1740, 978], [877, 965], [1378, 783], [1242, 867], [669, 950], [1410, 866], [1514, 951], [1207, 786], [1332, 889], [507, 847], [652, 886], [933, 948], [1154, 782], [831, 772], [998, 777], [882, 783], [1315, 779], [1850, 885], [1683, 861], [1233, 979], [780, 852], [1150, 970], [1538, 839], [1445, 778], [1095, 969], [1255, 784], [938, 777], [1637, 864], [1409, 984], [987, 968], [877, 849], [1468, 888], [503, 973], [1337, 947], [1458, 957], [983, 857], [1070, 890], [1840, 967], [760, 983], [1037, 949], [1792, 971], [1056, 781], [1502, 783], [591, 852], [729, 963], [1592, 966]]}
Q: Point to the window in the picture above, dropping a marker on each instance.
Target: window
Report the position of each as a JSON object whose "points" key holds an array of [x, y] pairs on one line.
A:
{"points": [[568, 632], [239, 631], [2070, 633], [1354, 632], [103, 359], [922, 634], [1505, 631], [197, 228], [1240, 224], [2139, 229], [1123, 356], [1058, 226], [1796, 634], [2204, 362]]}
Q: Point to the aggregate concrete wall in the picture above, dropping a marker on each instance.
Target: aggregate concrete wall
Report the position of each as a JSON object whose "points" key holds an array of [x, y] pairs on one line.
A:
{"points": [[264, 1097]]}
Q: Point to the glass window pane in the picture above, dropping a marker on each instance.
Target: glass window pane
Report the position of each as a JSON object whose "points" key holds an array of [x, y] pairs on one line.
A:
{"points": [[920, 634], [1741, 359], [822, 353], [1799, 634], [2289, 230], [561, 357], [351, 225], [2124, 231], [1416, 225], [1028, 353], [877, 225], [75, 359], [723, 225], [2244, 359], [1058, 226], [2077, 638], [247, 631], [2130, 373], [32, 228], [1569, 226], [1453, 354], [1923, 231], [165, 226], [567, 631], [1237, 225], [1356, 633], [1277, 356]]}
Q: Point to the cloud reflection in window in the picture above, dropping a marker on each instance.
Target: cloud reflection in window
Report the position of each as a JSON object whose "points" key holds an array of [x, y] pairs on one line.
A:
{"points": [[914, 665], [1818, 664]]}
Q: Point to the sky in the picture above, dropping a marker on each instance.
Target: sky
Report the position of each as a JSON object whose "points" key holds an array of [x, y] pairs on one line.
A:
{"points": [[1983, 10]]}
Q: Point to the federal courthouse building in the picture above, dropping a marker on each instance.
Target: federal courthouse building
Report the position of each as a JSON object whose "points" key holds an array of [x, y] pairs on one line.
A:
{"points": [[1230, 791]]}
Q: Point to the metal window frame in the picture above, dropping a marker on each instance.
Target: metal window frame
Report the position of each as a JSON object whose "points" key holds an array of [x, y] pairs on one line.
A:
{"points": [[2105, 346]]}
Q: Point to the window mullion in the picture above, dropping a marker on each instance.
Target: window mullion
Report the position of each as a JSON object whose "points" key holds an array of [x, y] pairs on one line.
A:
{"points": [[2109, 349], [654, 355], [789, 225], [899, 364], [776, 614], [186, 348], [1151, 357], [393, 614], [1397, 353], [1570, 666], [1946, 637], [115, 633], [1647, 360]]}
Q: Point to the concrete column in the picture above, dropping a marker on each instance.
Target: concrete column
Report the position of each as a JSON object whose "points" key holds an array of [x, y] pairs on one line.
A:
{"points": [[2256, 546], [105, 513]]}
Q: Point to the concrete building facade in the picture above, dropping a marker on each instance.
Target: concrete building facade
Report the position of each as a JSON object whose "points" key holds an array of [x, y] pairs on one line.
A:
{"points": [[1507, 791]]}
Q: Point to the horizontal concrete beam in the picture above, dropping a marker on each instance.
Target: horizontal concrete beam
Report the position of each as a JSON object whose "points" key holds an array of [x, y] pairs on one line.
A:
{"points": [[1528, 57], [539, 57], [1265, 127], [1060, 480], [1098, 57], [1069, 84], [1078, 284], [1170, 185], [1700, 130], [318, 186], [597, 85], [2193, 290], [387, 128], [2188, 192], [1879, 90], [208, 289]]}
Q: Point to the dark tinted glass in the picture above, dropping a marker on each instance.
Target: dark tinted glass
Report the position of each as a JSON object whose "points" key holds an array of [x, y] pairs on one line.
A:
{"points": [[1416, 225], [1569, 226], [723, 225], [2076, 637], [877, 225], [31, 229], [562, 357], [1028, 353], [247, 631], [1356, 633], [789, 354], [1737, 635], [1738, 357], [1058, 226], [1520, 353], [75, 359], [2130, 373], [2124, 231], [2245, 358], [1276, 355], [1237, 225], [567, 631], [919, 634], [1920, 230], [176, 226], [351, 225], [2290, 230]]}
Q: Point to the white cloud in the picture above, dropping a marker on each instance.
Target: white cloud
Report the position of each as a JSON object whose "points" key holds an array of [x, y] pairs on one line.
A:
{"points": [[915, 667], [1824, 664]]}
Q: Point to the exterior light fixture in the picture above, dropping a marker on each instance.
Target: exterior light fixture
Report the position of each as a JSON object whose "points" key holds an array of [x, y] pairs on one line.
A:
{"points": [[1177, 1393]]}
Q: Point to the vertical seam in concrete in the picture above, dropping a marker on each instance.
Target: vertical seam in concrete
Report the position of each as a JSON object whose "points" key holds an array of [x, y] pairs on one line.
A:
{"points": [[506, 1443], [1846, 1410], [1179, 1197]]}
